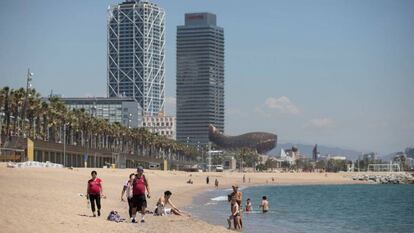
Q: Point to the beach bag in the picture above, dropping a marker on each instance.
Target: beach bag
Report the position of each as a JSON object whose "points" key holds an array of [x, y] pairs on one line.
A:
{"points": [[115, 217]]}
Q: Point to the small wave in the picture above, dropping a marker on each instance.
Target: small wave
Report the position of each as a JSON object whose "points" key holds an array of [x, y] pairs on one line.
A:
{"points": [[260, 212], [211, 203], [219, 198]]}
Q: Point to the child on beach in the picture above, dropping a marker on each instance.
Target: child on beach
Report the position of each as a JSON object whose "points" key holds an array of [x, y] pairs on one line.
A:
{"points": [[235, 215], [94, 192], [264, 205], [127, 189], [248, 205], [238, 197]]}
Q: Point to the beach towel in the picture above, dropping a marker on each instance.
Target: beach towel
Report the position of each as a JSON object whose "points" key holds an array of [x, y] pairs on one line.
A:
{"points": [[115, 217]]}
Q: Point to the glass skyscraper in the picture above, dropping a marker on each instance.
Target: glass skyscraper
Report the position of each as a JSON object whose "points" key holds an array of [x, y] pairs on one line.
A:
{"points": [[136, 58], [200, 78]]}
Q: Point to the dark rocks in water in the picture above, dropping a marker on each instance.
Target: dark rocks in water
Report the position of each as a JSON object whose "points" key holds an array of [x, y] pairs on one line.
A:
{"points": [[260, 141]]}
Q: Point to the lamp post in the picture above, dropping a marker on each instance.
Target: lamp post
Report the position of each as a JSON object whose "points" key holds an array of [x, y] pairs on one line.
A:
{"points": [[28, 85], [2, 114], [64, 143]]}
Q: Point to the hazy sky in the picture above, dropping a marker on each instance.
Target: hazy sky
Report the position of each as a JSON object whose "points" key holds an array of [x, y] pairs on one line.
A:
{"points": [[337, 73]]}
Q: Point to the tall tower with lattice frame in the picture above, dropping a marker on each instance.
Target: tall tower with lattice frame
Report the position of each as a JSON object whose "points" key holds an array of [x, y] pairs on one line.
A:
{"points": [[136, 54]]}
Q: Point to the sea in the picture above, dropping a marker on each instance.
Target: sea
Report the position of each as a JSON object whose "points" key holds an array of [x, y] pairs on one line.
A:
{"points": [[316, 208]]}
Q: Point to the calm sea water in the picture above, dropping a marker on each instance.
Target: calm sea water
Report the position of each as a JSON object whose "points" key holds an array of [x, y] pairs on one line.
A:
{"points": [[317, 208]]}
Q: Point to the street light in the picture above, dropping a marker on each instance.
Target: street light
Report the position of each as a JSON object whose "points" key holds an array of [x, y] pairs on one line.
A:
{"points": [[64, 143], [28, 85], [2, 114], [198, 150]]}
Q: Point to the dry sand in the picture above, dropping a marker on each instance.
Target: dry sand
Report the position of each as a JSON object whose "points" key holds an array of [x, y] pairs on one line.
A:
{"points": [[47, 199]]}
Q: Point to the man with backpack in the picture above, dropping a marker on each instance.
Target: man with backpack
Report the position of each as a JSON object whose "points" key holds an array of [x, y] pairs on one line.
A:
{"points": [[139, 186]]}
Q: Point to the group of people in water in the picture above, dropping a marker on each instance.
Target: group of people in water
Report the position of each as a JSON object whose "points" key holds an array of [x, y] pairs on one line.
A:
{"points": [[136, 190], [235, 199]]}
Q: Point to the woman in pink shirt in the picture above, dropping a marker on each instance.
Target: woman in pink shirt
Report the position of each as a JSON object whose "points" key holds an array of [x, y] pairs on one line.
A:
{"points": [[94, 192]]}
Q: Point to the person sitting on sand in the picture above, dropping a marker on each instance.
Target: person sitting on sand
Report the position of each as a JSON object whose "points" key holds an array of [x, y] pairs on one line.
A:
{"points": [[235, 214], [190, 181], [248, 205], [264, 205], [127, 189], [162, 202], [95, 192]]}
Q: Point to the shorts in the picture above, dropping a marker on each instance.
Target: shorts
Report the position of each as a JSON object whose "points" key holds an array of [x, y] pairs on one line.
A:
{"points": [[167, 211], [139, 202]]}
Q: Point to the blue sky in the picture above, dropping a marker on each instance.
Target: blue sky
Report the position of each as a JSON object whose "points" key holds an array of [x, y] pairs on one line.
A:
{"points": [[337, 73]]}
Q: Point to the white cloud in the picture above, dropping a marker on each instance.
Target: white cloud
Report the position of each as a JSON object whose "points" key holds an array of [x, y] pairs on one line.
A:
{"points": [[282, 105], [170, 105], [320, 123]]}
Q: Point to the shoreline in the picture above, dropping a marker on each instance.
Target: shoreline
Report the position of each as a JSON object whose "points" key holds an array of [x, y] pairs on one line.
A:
{"points": [[48, 198]]}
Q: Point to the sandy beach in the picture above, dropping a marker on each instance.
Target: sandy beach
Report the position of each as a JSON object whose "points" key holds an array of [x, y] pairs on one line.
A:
{"points": [[48, 200]]}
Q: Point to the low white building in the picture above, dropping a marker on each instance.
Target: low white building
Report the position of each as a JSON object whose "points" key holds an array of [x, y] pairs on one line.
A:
{"points": [[337, 157], [286, 158]]}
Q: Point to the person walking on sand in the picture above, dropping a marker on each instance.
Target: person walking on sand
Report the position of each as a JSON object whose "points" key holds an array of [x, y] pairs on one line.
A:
{"points": [[264, 205], [208, 180], [95, 192], [139, 186], [244, 178], [216, 183], [127, 190]]}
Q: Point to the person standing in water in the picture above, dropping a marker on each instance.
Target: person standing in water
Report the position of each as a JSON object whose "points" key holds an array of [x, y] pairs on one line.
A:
{"points": [[95, 192], [248, 205], [238, 197], [264, 205], [235, 215]]}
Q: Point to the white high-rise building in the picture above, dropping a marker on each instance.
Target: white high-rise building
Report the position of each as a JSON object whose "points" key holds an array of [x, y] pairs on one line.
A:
{"points": [[136, 58]]}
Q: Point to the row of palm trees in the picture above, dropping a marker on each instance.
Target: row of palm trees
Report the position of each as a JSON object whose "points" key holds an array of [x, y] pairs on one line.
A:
{"points": [[26, 114]]}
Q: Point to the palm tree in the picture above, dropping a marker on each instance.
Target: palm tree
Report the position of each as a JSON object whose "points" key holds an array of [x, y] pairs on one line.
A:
{"points": [[48, 120]]}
